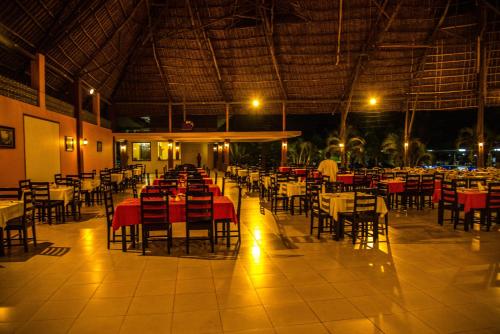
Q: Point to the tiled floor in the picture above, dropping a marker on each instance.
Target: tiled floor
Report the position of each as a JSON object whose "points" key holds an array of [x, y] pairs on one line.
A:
{"points": [[427, 279]]}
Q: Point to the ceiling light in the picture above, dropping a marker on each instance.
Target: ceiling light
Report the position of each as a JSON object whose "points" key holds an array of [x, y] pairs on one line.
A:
{"points": [[255, 103], [373, 101], [91, 91]]}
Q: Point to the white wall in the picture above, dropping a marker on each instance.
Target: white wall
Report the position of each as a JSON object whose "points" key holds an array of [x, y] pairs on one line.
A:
{"points": [[190, 152], [41, 145]]}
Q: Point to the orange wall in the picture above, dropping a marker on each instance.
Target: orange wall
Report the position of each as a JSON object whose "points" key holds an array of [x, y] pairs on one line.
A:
{"points": [[12, 166], [91, 158]]}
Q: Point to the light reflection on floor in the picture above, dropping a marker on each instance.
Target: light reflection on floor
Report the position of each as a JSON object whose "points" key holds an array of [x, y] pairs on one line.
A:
{"points": [[424, 279]]}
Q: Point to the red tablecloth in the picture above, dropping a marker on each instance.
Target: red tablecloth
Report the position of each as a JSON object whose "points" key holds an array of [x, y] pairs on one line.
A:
{"points": [[345, 178], [206, 180], [128, 212], [395, 186], [284, 169], [213, 188], [299, 171], [469, 199]]}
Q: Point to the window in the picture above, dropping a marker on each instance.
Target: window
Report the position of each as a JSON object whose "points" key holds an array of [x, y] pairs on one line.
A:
{"points": [[163, 147], [162, 150], [141, 151]]}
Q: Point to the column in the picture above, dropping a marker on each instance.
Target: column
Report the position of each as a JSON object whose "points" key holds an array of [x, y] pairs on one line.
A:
{"points": [[226, 153], [77, 106], [284, 150], [170, 153], [96, 107], [38, 78]]}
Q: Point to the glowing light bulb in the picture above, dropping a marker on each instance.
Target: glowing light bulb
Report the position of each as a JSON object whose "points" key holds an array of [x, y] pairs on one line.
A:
{"points": [[373, 101], [91, 91], [255, 103]]}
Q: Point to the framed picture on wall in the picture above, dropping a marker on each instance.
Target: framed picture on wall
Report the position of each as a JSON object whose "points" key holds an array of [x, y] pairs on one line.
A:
{"points": [[69, 144], [7, 137], [99, 146]]}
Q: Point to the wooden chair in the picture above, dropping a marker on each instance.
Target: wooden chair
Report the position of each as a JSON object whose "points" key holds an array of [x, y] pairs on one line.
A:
{"points": [[323, 217], [363, 218], [492, 210], [411, 193], [199, 216], [427, 190], [449, 202], [276, 195], [43, 202], [226, 232], [74, 207], [10, 193], [155, 217], [23, 223]]}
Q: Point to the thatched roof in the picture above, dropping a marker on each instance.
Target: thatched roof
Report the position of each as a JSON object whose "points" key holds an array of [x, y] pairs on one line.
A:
{"points": [[142, 54]]}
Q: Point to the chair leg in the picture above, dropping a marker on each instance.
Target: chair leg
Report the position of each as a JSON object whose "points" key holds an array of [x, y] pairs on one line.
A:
{"points": [[187, 241], [144, 237]]}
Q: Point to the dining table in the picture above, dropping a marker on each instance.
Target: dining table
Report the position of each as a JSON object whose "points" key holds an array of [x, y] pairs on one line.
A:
{"points": [[346, 178], [336, 203], [90, 184], [471, 199], [128, 212], [116, 177], [9, 209], [213, 188]]}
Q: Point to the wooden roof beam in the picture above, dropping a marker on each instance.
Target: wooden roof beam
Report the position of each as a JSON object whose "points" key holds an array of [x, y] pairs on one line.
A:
{"points": [[110, 39], [269, 37], [155, 55], [209, 46], [82, 11]]}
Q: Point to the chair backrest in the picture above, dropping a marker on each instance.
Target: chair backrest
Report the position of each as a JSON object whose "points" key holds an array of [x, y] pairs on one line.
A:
{"points": [[449, 192], [154, 209], [58, 178], [365, 206], [412, 182], [493, 197], [199, 207], [40, 191], [401, 174], [460, 183], [133, 185], [87, 175], [108, 205], [197, 187], [25, 184], [77, 189], [473, 182], [387, 176], [28, 205], [11, 193], [427, 182], [334, 187]]}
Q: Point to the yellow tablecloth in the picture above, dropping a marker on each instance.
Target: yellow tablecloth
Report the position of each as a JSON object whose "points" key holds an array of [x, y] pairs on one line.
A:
{"points": [[90, 184], [293, 188], [116, 177], [62, 194]]}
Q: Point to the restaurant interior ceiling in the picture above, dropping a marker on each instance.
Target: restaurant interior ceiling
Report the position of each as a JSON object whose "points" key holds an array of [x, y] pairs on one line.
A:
{"points": [[204, 55]]}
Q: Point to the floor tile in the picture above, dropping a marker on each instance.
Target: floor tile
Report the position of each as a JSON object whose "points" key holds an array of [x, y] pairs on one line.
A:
{"points": [[290, 314], [196, 322], [147, 324], [334, 309], [245, 318]]}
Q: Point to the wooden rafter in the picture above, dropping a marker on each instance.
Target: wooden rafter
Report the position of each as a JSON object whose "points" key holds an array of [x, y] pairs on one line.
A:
{"points": [[112, 37], [420, 69], [209, 46], [269, 37], [82, 11], [155, 56], [374, 38], [31, 16]]}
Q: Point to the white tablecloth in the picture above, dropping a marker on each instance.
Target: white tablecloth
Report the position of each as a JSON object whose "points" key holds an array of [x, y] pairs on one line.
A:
{"points": [[344, 202], [116, 177], [9, 210], [128, 173], [62, 194], [293, 188], [242, 172], [254, 176], [137, 171], [90, 184]]}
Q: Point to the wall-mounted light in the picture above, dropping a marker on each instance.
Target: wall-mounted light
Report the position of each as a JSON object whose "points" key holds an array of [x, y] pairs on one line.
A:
{"points": [[170, 145], [341, 145], [215, 146], [91, 91], [85, 141], [284, 144], [123, 147], [226, 145], [406, 144], [481, 144]]}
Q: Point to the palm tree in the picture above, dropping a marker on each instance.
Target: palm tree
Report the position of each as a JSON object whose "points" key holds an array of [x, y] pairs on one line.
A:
{"points": [[300, 152], [238, 153], [393, 147], [354, 145], [467, 138]]}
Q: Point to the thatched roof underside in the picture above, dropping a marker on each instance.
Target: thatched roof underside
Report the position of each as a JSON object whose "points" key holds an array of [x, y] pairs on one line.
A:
{"points": [[142, 54]]}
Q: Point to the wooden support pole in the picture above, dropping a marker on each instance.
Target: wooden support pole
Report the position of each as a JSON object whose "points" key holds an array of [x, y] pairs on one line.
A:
{"points": [[38, 78], [483, 70], [170, 117], [226, 153], [170, 154], [77, 104], [284, 150], [96, 107], [227, 117], [283, 117]]}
